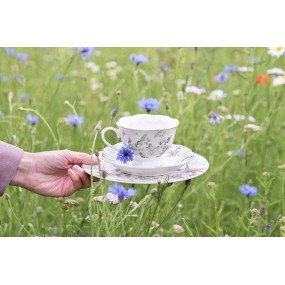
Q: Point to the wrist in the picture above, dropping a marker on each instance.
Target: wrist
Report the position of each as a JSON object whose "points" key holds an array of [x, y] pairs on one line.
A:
{"points": [[21, 176]]}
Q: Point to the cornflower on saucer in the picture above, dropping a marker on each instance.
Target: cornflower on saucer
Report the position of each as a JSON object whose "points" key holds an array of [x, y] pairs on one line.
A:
{"points": [[125, 154]]}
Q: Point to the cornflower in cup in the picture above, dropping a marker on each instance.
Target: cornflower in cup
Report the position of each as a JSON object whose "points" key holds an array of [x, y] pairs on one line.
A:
{"points": [[149, 104], [125, 154]]}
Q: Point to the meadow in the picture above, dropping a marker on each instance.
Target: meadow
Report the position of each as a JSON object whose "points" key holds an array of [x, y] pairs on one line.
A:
{"points": [[230, 105]]}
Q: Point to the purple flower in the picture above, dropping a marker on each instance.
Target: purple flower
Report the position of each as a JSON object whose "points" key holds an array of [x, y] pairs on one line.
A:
{"points": [[214, 118], [222, 77], [18, 77], [86, 51], [23, 56], [122, 192], [124, 155], [10, 51], [72, 119], [149, 104], [228, 68], [114, 112], [23, 97], [32, 119], [248, 190], [138, 58], [240, 153], [60, 76], [268, 228], [53, 232]]}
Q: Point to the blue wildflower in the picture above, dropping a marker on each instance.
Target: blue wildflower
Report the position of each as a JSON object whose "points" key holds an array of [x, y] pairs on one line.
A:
{"points": [[122, 192], [4, 77], [53, 232], [138, 58], [214, 118], [32, 119], [124, 155], [18, 77], [222, 77], [23, 56], [114, 111], [1, 115], [23, 97], [10, 51], [240, 153], [149, 104], [74, 120], [86, 51], [60, 76], [248, 190], [228, 68]]}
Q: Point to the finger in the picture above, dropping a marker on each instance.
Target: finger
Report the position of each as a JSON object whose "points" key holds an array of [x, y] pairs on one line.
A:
{"points": [[84, 177], [81, 158], [75, 179]]}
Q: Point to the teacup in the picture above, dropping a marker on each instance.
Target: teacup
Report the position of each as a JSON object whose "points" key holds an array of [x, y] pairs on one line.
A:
{"points": [[148, 136]]}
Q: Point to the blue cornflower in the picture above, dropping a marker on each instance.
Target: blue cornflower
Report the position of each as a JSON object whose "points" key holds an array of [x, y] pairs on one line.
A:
{"points": [[32, 119], [74, 120], [214, 118], [10, 51], [221, 77], [149, 104], [23, 97], [23, 56], [86, 51], [138, 58], [4, 77], [53, 232], [248, 190], [240, 153], [59, 76], [125, 154], [228, 68], [1, 115], [122, 192]]}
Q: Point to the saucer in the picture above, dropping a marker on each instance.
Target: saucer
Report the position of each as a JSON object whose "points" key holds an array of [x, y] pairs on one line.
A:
{"points": [[175, 157], [195, 168]]}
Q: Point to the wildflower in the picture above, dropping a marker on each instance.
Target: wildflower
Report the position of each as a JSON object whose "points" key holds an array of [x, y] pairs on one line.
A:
{"points": [[252, 127], [71, 203], [240, 153], [149, 104], [275, 71], [277, 81], [86, 51], [276, 51], [74, 120], [262, 79], [165, 66], [53, 232], [23, 97], [10, 51], [268, 228], [222, 77], [1, 115], [93, 67], [251, 119], [223, 109], [153, 191], [112, 198], [214, 118], [18, 77], [195, 90], [111, 64], [245, 69], [180, 96], [32, 119], [217, 95], [138, 58], [228, 68], [124, 155], [100, 199], [114, 112], [177, 229], [212, 185], [248, 190], [262, 210], [59, 76], [23, 56], [122, 192]]}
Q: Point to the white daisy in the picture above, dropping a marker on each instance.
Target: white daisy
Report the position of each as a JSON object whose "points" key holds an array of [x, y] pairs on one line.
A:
{"points": [[277, 81], [275, 71], [276, 51], [217, 94], [252, 127]]}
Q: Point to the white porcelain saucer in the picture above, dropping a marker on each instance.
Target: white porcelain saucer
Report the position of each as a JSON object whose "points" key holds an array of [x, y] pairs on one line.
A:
{"points": [[175, 157], [195, 168]]}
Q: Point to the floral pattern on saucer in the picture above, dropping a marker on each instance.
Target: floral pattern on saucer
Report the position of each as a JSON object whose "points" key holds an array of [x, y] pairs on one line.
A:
{"points": [[195, 168], [176, 156]]}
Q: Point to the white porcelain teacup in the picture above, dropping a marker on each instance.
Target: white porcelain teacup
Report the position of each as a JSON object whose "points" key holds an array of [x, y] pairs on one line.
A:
{"points": [[148, 136]]}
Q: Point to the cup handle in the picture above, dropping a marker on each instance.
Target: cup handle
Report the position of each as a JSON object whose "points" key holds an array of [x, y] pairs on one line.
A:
{"points": [[109, 129]]}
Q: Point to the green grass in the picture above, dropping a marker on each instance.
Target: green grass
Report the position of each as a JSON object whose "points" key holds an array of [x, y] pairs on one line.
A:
{"points": [[212, 205]]}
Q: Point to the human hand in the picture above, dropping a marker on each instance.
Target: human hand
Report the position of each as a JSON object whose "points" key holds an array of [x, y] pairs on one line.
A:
{"points": [[53, 173]]}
